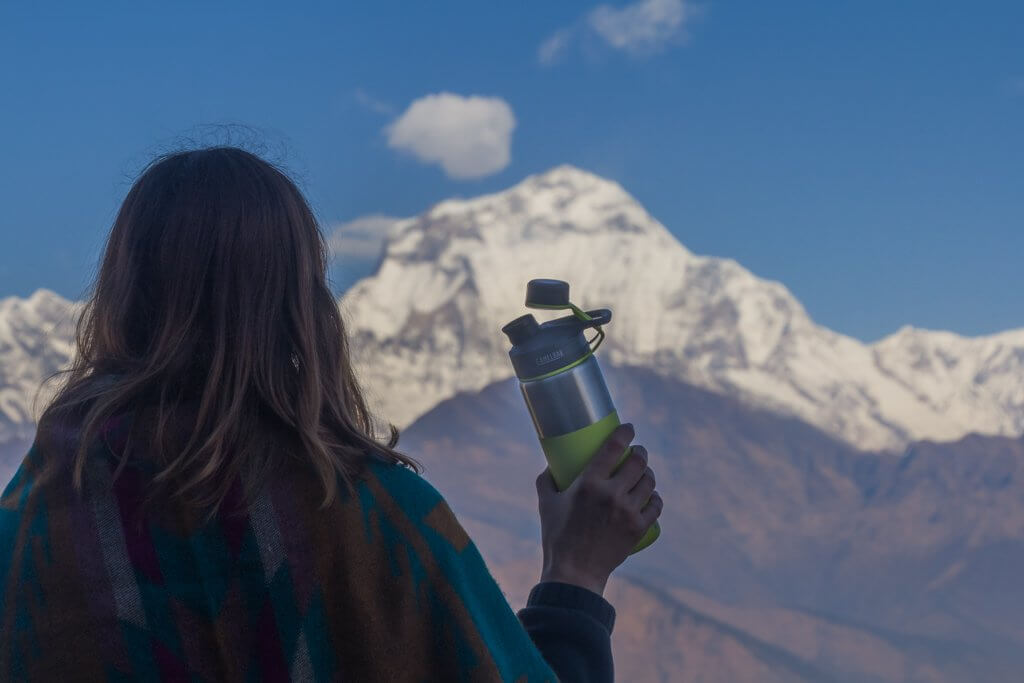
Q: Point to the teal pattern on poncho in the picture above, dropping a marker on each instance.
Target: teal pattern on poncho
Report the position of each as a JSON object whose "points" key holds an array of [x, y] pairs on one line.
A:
{"points": [[384, 585]]}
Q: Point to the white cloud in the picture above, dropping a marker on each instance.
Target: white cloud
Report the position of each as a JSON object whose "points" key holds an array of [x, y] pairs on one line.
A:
{"points": [[642, 26], [360, 239], [371, 103], [469, 137], [639, 28], [552, 49]]}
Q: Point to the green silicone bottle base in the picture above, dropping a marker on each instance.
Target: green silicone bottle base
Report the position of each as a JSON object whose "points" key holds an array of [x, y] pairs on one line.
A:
{"points": [[652, 534], [568, 454]]}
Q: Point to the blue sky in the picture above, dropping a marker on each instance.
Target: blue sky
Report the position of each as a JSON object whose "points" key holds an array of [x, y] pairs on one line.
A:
{"points": [[869, 155]]}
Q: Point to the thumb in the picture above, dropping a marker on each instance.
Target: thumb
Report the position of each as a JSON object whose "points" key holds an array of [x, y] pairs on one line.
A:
{"points": [[546, 483]]}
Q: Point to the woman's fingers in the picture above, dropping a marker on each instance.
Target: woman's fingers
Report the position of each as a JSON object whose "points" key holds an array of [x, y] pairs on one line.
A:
{"points": [[652, 510], [627, 476], [607, 456], [644, 487]]}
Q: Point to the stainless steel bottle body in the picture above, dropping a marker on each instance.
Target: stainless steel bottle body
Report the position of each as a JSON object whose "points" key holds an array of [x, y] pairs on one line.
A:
{"points": [[569, 400]]}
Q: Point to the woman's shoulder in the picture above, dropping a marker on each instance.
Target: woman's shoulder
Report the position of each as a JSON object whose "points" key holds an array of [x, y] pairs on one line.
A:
{"points": [[406, 484], [422, 503]]}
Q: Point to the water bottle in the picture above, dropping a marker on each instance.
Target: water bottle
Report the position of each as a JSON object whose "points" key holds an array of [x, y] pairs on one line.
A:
{"points": [[562, 383]]}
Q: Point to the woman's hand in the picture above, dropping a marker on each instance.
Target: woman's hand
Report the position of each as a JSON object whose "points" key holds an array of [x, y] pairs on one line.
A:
{"points": [[589, 529]]}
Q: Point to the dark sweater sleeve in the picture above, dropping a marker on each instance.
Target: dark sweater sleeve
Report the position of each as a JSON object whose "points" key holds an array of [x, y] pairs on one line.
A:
{"points": [[572, 628]]}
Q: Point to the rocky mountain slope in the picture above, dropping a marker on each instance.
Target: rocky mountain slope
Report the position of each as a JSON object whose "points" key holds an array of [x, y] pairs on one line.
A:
{"points": [[776, 539]]}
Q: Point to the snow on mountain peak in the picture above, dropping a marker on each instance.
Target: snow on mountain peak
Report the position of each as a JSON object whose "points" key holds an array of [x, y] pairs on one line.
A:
{"points": [[960, 377], [36, 339], [427, 324], [562, 197]]}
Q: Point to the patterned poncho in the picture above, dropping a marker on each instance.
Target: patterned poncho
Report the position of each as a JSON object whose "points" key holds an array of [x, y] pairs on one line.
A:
{"points": [[385, 585]]}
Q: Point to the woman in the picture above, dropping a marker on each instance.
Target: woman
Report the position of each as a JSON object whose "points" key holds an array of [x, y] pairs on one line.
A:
{"points": [[206, 498]]}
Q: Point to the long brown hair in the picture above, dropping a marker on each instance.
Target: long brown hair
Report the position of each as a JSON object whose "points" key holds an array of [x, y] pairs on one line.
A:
{"points": [[212, 293]]}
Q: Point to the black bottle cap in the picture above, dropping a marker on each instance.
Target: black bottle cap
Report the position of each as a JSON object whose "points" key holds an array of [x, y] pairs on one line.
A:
{"points": [[544, 292]]}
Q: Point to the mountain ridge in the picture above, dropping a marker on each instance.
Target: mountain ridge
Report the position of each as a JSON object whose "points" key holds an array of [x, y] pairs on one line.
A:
{"points": [[462, 265], [426, 324]]}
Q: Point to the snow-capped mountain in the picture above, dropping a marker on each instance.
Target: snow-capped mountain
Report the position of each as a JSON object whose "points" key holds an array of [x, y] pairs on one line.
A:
{"points": [[962, 378], [36, 339], [426, 325]]}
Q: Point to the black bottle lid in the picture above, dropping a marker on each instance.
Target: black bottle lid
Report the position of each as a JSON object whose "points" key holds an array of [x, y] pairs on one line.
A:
{"points": [[547, 293]]}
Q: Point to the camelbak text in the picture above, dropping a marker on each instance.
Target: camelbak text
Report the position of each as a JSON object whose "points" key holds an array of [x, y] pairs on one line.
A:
{"points": [[548, 357]]}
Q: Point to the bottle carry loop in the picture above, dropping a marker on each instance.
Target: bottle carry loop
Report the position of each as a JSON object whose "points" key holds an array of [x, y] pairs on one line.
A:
{"points": [[594, 318]]}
